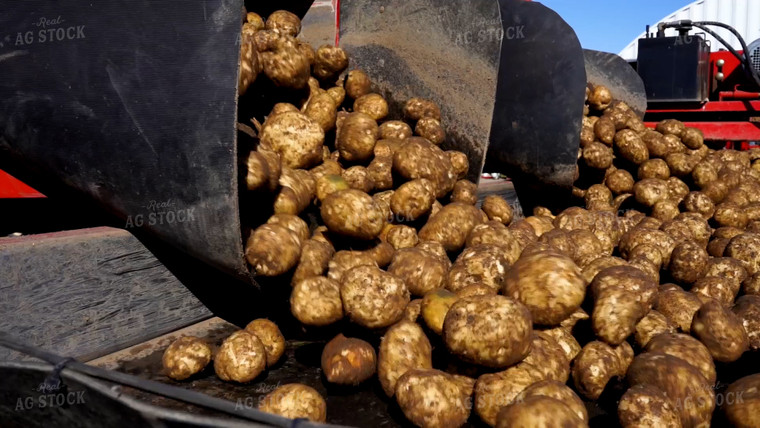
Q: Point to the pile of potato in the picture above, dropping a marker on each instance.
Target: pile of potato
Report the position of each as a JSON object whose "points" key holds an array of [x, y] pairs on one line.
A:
{"points": [[639, 285]]}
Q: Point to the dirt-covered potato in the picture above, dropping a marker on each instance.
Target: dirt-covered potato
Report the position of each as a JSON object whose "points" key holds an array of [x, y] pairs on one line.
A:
{"points": [[686, 348], [599, 98], [419, 158], [620, 182], [493, 331], [435, 305], [493, 391], [373, 105], [495, 233], [593, 267], [465, 191], [329, 184], [459, 163], [397, 129], [651, 325], [327, 167], [703, 174], [643, 235], [497, 208], [297, 191], [723, 290], [321, 108], [348, 361], [294, 223], [329, 62], [604, 130], [646, 406], [548, 357], [241, 358], [746, 249], [721, 331], [729, 214], [598, 192], [549, 284], [597, 155], [417, 108], [477, 290], [622, 297], [413, 310], [295, 137], [430, 129], [630, 146], [284, 22], [681, 164], [358, 177], [687, 262], [649, 191], [420, 270], [681, 382], [356, 137], [654, 168], [451, 225], [597, 364], [295, 401], [412, 199], [380, 171], [559, 240], [566, 341], [270, 336], [373, 298], [357, 84], [403, 347], [273, 249], [742, 402], [316, 301], [482, 264], [699, 202], [679, 307], [352, 213], [655, 143], [671, 126], [401, 236], [747, 309], [345, 260], [284, 63], [431, 398], [558, 391], [338, 94], [250, 64], [185, 357], [538, 411]]}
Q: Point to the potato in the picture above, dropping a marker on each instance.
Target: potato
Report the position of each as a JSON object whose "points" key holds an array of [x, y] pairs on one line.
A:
{"points": [[699, 202], [329, 184], [538, 411], [185, 357], [465, 191], [272, 250], [327, 167], [482, 264], [413, 310], [493, 391], [620, 182], [687, 262], [295, 137], [284, 22], [654, 168], [451, 226], [321, 109], [348, 361], [338, 95], [703, 174], [420, 270], [435, 305], [688, 349], [270, 336], [345, 260], [548, 357], [295, 401], [403, 347], [431, 398], [723, 290], [593, 267], [649, 191], [747, 309], [257, 175], [585, 245], [356, 137], [352, 213], [373, 105], [600, 97], [293, 223], [418, 108], [493, 331], [357, 84], [642, 235], [358, 177], [380, 172], [559, 241], [716, 191], [419, 158], [656, 144], [241, 358], [681, 164], [653, 324], [540, 224], [597, 364], [435, 248], [250, 64], [495, 233], [316, 301], [597, 155], [297, 191], [329, 62], [679, 307], [413, 200], [476, 290], [373, 298], [647, 406], [558, 391], [284, 63], [587, 134], [730, 215], [400, 237], [681, 382], [746, 249], [549, 284], [497, 208], [630, 146], [721, 331], [604, 130], [742, 402], [622, 297], [671, 126], [598, 192], [459, 163], [395, 129]]}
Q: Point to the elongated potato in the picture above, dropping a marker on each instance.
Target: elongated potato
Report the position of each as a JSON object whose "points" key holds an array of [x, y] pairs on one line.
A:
{"points": [[451, 226], [403, 347], [431, 398]]}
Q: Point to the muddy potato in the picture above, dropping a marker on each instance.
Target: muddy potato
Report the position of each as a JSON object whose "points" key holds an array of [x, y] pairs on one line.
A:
{"points": [[598, 192], [566, 341], [597, 155], [698, 227], [727, 268], [316, 301], [348, 361], [482, 264], [435, 305], [435, 248], [497, 208], [295, 401], [395, 129], [622, 297], [646, 406], [185, 357], [493, 391], [373, 105], [620, 182], [356, 177], [665, 210], [730, 215], [250, 64], [688, 349], [721, 331], [548, 357], [723, 290], [403, 347], [356, 137], [597, 364], [413, 310], [558, 391], [642, 235], [495, 233], [241, 358], [493, 331], [345, 260], [679, 307], [418, 108], [285, 64], [329, 62], [413, 199], [329, 184], [257, 175], [430, 129], [297, 191], [321, 109], [401, 237], [599, 98], [352, 213], [746, 249], [272, 250], [549, 284], [604, 130], [451, 226], [654, 168], [459, 163], [681, 164], [431, 398], [373, 298], [592, 267], [538, 411], [476, 290], [270, 336], [284, 22], [560, 241], [585, 245], [671, 126], [293, 223], [747, 309], [656, 145], [744, 412], [699, 202], [703, 174], [687, 262], [419, 158], [295, 137], [630, 146], [420, 270], [465, 191], [357, 84], [681, 382], [327, 167], [653, 324], [716, 191], [649, 191]]}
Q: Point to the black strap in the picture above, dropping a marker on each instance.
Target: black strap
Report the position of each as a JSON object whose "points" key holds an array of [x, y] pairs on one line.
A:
{"points": [[53, 381]]}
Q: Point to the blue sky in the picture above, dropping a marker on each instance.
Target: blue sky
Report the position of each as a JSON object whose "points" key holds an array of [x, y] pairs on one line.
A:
{"points": [[610, 25]]}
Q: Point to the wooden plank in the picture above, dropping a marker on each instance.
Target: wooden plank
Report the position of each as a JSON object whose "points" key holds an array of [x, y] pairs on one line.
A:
{"points": [[89, 292]]}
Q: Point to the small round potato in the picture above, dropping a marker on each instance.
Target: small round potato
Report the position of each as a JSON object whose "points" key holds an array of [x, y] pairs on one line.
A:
{"points": [[284, 22], [744, 412], [380, 171], [495, 233], [403, 347], [241, 358], [604, 130], [295, 401], [316, 301], [270, 336], [348, 361], [420, 270], [654, 168], [493, 331], [329, 62], [688, 349], [431, 398], [497, 208], [352, 213], [419, 158], [703, 174], [655, 143], [356, 137], [671, 126], [721, 331], [295, 137], [417, 108], [373, 298], [649, 191], [401, 236], [538, 411], [373, 105], [646, 406], [730, 214], [620, 182], [687, 262], [395, 129], [548, 357], [321, 108], [722, 289], [284, 63], [294, 223], [357, 84], [679, 307], [273, 249], [459, 162], [430, 129], [185, 357], [699, 202], [597, 155], [413, 200], [358, 177], [345, 260], [465, 191], [549, 284], [599, 98]]}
